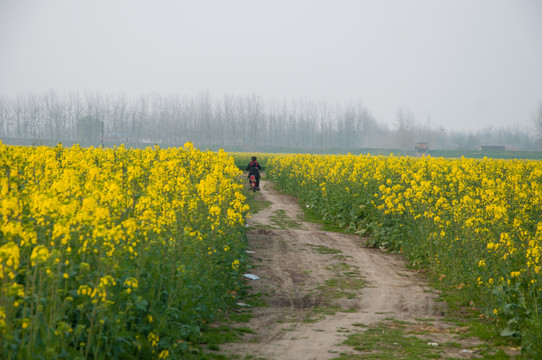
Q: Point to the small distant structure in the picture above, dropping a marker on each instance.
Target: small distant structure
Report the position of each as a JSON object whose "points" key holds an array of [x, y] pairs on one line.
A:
{"points": [[151, 141], [421, 148], [491, 148]]}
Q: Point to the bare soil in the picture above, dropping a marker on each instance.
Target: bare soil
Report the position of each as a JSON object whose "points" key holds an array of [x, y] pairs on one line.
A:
{"points": [[321, 286]]}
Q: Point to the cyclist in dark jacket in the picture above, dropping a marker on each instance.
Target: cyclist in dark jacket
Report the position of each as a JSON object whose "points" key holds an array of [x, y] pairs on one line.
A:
{"points": [[254, 169]]}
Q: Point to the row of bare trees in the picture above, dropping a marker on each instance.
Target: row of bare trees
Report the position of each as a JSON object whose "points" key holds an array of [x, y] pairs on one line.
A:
{"points": [[202, 119], [232, 122]]}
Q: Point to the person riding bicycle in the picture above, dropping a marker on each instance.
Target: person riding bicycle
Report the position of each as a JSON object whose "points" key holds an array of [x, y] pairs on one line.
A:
{"points": [[254, 169]]}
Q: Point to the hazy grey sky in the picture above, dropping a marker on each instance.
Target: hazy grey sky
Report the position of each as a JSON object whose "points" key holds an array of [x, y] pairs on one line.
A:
{"points": [[465, 64]]}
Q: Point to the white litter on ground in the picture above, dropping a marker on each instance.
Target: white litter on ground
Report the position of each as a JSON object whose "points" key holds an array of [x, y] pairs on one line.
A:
{"points": [[251, 276]]}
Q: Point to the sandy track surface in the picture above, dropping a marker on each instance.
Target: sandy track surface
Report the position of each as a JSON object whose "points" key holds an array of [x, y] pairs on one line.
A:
{"points": [[310, 280]]}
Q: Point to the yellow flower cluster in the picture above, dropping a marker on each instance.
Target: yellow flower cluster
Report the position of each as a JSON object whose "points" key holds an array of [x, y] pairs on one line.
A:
{"points": [[9, 260], [99, 235], [131, 283]]}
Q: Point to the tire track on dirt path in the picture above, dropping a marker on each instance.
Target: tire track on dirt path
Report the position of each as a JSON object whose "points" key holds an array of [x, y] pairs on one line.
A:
{"points": [[320, 286]]}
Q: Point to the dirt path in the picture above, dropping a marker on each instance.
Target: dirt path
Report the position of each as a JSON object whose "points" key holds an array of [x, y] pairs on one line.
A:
{"points": [[322, 286]]}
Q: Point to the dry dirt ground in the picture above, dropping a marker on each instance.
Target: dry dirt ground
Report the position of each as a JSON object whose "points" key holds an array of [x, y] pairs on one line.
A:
{"points": [[322, 286]]}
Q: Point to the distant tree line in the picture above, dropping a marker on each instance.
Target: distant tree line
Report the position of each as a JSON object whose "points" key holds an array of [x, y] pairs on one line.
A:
{"points": [[233, 122]]}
